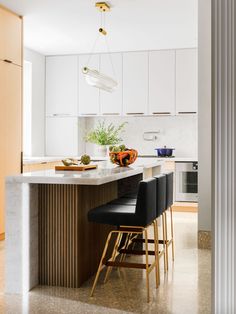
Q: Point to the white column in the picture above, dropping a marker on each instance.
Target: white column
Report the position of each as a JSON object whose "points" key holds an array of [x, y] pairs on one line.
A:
{"points": [[224, 119], [21, 237]]}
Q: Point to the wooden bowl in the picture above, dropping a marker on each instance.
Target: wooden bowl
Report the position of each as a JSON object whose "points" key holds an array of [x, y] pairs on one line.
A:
{"points": [[125, 158]]}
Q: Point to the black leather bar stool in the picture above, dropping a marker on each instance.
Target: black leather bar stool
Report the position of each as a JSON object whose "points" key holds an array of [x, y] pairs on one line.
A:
{"points": [[160, 213], [169, 203], [130, 219]]}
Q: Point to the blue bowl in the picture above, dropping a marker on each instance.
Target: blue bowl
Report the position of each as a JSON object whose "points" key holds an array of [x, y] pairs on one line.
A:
{"points": [[164, 152]]}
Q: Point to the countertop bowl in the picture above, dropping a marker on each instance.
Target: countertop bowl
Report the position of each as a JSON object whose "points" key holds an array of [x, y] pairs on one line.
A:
{"points": [[124, 158]]}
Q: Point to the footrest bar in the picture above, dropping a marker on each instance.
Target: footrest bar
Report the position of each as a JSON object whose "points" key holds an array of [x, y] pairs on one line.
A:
{"points": [[126, 265]]}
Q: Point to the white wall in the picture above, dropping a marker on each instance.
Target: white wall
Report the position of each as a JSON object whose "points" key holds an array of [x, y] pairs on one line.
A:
{"points": [[179, 132], [204, 114], [38, 100]]}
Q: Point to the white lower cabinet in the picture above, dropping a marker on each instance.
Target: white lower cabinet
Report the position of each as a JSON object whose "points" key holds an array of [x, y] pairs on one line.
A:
{"points": [[61, 136]]}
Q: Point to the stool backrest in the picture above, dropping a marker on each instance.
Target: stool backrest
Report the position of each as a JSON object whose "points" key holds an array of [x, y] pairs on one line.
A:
{"points": [[169, 189], [146, 201], [160, 194]]}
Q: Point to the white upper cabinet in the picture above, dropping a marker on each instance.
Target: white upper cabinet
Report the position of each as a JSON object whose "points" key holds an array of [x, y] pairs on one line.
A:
{"points": [[61, 85], [88, 95], [162, 82], [61, 136], [111, 103], [135, 82], [186, 81]]}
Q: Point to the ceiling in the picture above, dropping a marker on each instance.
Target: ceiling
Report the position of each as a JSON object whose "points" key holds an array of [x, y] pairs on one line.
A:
{"points": [[70, 26]]}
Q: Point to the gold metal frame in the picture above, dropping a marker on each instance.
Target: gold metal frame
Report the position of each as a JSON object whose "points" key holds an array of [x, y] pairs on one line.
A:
{"points": [[102, 6], [170, 241], [112, 262]]}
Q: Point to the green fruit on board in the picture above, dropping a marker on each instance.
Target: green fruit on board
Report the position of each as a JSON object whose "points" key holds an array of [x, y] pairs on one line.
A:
{"points": [[85, 160], [111, 148]]}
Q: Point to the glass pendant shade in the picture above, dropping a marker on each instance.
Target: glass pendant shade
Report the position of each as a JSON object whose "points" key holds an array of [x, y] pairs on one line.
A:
{"points": [[99, 80]]}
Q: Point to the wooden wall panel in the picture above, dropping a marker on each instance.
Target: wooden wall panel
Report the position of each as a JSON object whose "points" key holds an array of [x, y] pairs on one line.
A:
{"points": [[70, 247]]}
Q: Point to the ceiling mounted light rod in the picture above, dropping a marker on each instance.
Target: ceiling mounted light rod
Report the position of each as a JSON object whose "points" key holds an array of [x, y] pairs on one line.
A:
{"points": [[92, 76]]}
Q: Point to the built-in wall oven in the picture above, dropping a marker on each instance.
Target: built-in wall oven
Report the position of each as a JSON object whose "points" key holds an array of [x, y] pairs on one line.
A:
{"points": [[186, 185]]}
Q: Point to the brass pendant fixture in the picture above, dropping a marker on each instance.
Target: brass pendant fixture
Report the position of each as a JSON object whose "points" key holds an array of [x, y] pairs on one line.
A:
{"points": [[93, 76]]}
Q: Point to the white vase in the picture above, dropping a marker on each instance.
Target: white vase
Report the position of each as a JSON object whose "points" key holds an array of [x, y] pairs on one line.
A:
{"points": [[102, 150]]}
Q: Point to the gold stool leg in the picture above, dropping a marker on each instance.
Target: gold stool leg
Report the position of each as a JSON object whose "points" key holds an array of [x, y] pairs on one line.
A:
{"points": [[147, 266], [164, 241], [156, 245], [172, 233], [101, 263], [116, 246], [166, 237]]}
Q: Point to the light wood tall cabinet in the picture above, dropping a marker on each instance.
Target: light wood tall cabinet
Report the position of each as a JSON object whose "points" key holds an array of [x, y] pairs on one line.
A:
{"points": [[10, 101]]}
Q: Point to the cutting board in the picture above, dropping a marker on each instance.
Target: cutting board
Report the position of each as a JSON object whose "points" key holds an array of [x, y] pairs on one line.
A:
{"points": [[76, 168]]}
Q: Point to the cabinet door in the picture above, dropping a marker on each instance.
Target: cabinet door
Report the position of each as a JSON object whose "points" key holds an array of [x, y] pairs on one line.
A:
{"points": [[88, 95], [135, 82], [61, 136], [10, 37], [61, 85], [10, 127], [162, 82], [111, 103], [186, 81]]}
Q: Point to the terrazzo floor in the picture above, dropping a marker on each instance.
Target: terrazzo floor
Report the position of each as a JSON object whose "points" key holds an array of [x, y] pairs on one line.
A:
{"points": [[186, 289]]}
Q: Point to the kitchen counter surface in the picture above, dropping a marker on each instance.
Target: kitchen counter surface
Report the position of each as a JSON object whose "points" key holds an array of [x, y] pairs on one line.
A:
{"points": [[35, 160], [106, 172], [176, 159]]}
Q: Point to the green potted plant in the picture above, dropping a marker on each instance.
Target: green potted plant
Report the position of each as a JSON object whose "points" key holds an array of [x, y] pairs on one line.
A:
{"points": [[105, 135]]}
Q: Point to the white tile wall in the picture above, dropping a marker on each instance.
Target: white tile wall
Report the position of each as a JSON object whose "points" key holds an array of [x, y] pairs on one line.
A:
{"points": [[179, 132]]}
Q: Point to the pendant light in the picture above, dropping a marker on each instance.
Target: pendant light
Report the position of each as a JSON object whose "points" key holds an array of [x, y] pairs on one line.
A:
{"points": [[93, 76]]}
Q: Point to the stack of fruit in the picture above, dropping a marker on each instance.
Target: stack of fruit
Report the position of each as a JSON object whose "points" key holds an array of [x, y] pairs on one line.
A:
{"points": [[122, 155]]}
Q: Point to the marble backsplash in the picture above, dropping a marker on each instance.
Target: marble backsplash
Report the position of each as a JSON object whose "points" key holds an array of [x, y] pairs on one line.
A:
{"points": [[179, 132]]}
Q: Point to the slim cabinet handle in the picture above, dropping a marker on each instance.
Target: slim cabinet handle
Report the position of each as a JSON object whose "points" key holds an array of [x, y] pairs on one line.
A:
{"points": [[167, 112], [186, 112], [8, 61], [138, 113]]}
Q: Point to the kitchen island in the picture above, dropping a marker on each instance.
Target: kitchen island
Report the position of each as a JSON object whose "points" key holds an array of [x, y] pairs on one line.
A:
{"points": [[48, 238]]}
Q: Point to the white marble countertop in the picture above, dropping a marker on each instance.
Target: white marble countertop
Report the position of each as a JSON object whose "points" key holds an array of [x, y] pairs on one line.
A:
{"points": [[106, 172], [35, 160]]}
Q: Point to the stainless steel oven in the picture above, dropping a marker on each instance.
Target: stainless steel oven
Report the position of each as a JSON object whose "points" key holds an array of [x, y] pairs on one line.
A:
{"points": [[186, 181]]}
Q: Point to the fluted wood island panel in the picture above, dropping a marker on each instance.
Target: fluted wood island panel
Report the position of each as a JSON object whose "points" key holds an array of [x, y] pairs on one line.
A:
{"points": [[69, 245]]}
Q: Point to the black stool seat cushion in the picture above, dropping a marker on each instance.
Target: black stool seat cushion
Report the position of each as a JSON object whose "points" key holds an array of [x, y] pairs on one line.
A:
{"points": [[130, 195], [128, 215], [124, 201], [113, 215]]}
